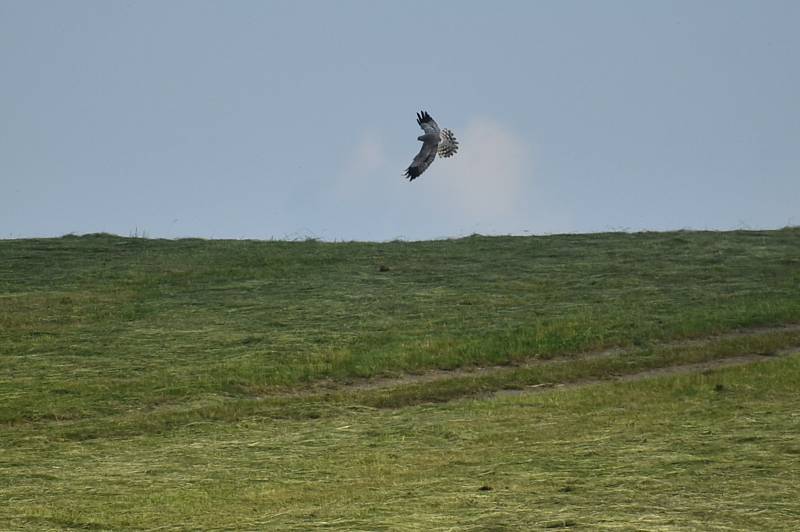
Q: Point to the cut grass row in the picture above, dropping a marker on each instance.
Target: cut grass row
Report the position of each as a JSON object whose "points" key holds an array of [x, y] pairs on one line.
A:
{"points": [[318, 401], [711, 451]]}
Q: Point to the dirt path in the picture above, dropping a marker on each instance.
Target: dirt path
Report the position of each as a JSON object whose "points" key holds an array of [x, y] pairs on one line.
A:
{"points": [[440, 375], [683, 369]]}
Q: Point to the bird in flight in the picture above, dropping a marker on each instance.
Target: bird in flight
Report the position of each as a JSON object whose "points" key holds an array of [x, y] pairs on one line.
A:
{"points": [[434, 140]]}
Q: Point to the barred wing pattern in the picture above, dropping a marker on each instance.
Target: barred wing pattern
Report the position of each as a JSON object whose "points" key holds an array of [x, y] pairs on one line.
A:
{"points": [[433, 141]]}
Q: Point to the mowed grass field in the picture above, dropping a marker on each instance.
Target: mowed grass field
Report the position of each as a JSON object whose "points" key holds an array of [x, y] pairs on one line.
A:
{"points": [[193, 384]]}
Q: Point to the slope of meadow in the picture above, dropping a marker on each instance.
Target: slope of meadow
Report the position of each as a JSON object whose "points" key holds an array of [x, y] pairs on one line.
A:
{"points": [[224, 384]]}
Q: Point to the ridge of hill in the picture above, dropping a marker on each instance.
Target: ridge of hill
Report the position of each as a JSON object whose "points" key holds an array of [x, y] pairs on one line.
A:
{"points": [[99, 324], [152, 384]]}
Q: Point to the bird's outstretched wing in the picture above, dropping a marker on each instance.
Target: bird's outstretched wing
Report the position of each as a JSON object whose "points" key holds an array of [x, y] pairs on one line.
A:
{"points": [[430, 142], [427, 123], [422, 161]]}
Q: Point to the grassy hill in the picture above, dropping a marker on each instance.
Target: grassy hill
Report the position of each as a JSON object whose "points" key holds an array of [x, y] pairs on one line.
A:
{"points": [[244, 384]]}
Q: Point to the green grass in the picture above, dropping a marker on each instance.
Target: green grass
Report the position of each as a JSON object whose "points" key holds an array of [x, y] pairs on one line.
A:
{"points": [[99, 324], [229, 384], [715, 451]]}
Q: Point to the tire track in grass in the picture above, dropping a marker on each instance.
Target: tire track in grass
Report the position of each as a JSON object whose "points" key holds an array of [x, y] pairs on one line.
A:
{"points": [[434, 376], [563, 372], [681, 369]]}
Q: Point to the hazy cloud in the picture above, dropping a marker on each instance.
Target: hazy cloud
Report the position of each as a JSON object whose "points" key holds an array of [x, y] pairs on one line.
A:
{"points": [[492, 185], [368, 156], [362, 201], [489, 187], [359, 181], [488, 175]]}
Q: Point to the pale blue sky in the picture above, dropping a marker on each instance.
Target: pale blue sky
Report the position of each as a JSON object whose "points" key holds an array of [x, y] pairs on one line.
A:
{"points": [[259, 119]]}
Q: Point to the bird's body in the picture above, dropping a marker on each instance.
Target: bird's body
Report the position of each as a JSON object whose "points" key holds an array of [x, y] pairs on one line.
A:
{"points": [[434, 140]]}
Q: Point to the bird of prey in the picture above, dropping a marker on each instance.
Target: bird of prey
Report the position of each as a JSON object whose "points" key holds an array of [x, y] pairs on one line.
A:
{"points": [[435, 140]]}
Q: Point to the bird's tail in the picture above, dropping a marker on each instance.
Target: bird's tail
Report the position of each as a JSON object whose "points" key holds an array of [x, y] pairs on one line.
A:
{"points": [[449, 145]]}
